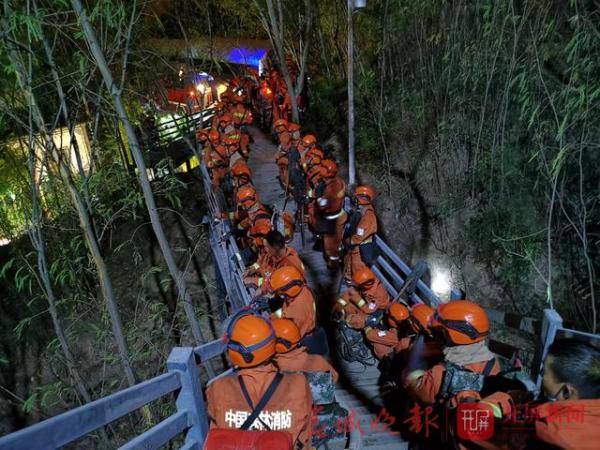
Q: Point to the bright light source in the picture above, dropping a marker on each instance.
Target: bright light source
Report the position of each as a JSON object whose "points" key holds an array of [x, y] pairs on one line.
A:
{"points": [[221, 87], [440, 283], [192, 93]]}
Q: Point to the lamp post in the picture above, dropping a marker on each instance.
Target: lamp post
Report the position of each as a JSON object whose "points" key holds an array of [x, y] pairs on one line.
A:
{"points": [[353, 5]]}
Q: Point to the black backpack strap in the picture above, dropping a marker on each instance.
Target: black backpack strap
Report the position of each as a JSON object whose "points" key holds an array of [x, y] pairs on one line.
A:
{"points": [[256, 410], [488, 367]]}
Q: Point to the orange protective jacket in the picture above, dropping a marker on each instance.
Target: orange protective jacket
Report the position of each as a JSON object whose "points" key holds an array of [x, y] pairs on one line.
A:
{"points": [[313, 178], [369, 300], [272, 263], [298, 360], [301, 310], [289, 409], [386, 341], [569, 424], [246, 218], [332, 200], [367, 226], [241, 115]]}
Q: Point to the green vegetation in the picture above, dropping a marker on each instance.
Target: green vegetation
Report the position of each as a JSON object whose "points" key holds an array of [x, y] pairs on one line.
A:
{"points": [[492, 107], [477, 121]]}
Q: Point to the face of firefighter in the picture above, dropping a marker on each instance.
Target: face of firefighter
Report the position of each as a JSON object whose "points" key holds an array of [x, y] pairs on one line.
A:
{"points": [[552, 388]]}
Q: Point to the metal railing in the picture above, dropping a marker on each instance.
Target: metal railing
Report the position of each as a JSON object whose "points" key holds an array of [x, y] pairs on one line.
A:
{"points": [[393, 272], [182, 380], [183, 365], [178, 127], [226, 253]]}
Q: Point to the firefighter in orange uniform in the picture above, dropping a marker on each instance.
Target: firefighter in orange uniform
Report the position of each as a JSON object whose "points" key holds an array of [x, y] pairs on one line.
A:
{"points": [[249, 209], [254, 276], [293, 358], [364, 304], [281, 158], [224, 125], [305, 145], [218, 164], [273, 255], [386, 342], [331, 214], [241, 176], [464, 325], [294, 131], [360, 232], [265, 104], [280, 255], [571, 383], [239, 113], [231, 400], [209, 140], [570, 416], [314, 177], [298, 302], [405, 324]]}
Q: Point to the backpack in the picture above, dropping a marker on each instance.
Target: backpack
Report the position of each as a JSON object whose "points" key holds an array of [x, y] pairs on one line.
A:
{"points": [[458, 379]]}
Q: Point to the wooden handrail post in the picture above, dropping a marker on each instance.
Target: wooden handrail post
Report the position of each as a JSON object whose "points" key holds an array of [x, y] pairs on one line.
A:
{"points": [[183, 361]]}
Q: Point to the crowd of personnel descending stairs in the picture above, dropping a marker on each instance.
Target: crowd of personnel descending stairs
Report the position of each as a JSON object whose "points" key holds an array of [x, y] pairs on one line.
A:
{"points": [[359, 389]]}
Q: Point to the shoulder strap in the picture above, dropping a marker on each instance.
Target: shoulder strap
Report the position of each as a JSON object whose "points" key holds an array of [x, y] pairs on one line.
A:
{"points": [[256, 410], [488, 367]]}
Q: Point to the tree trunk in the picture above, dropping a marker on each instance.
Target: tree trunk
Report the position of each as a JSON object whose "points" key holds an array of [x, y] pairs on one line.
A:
{"points": [[136, 151], [274, 26], [105, 284], [71, 126], [37, 240]]}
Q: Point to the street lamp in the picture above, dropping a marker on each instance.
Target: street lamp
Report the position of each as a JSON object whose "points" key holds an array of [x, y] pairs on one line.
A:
{"points": [[353, 5]]}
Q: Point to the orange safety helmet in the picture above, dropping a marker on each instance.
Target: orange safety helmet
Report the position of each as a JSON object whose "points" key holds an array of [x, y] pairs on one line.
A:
{"points": [[291, 126], [280, 123], [247, 196], [287, 335], [420, 315], [363, 278], [250, 339], [329, 168], [214, 136], [259, 230], [202, 135], [315, 151], [463, 322], [240, 169], [364, 194], [314, 159], [397, 313], [220, 153], [286, 281], [309, 140], [225, 118]]}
